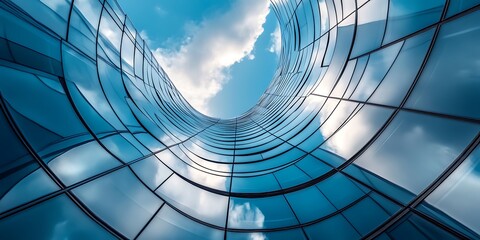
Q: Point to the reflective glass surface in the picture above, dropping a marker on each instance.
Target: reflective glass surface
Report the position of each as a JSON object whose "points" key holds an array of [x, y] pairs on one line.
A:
{"points": [[369, 129]]}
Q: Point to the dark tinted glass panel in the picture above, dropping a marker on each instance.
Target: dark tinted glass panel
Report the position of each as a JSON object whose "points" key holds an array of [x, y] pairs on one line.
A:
{"points": [[449, 84], [60, 219]]}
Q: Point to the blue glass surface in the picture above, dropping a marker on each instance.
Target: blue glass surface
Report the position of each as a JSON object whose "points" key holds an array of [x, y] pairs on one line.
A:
{"points": [[408, 16], [366, 215], [289, 234], [119, 197], [371, 26], [57, 218], [330, 229], [402, 73], [263, 183], [414, 227], [121, 148], [458, 6], [340, 190], [378, 65], [258, 213], [359, 129], [169, 224], [82, 72], [291, 176], [369, 128], [82, 162], [151, 171], [454, 197], [53, 14], [310, 204], [32, 186], [313, 166], [83, 25], [449, 84], [28, 96], [415, 149], [198, 203]]}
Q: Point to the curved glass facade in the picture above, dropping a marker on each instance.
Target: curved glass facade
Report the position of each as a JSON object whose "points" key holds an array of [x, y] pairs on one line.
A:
{"points": [[369, 129]]}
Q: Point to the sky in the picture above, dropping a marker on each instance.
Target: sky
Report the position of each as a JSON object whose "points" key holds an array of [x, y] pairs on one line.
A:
{"points": [[220, 54]]}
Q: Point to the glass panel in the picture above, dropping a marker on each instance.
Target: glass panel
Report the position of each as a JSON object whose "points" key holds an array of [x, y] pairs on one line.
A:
{"points": [[138, 63], [336, 227], [196, 202], [456, 197], [414, 227], [340, 190], [110, 31], [366, 215], [291, 176], [83, 25], [357, 131], [82, 162], [150, 142], [449, 84], [262, 183], [90, 9], [57, 218], [380, 184], [305, 20], [114, 90], [259, 213], [296, 234], [35, 185], [82, 72], [15, 163], [408, 16], [378, 65], [28, 96], [51, 13], [371, 25], [14, 29], [310, 204], [460, 5], [151, 171], [313, 166], [118, 198], [169, 224], [416, 148], [400, 77], [117, 145], [330, 123], [127, 53]]}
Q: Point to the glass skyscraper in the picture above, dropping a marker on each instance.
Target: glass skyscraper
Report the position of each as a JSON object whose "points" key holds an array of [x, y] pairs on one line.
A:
{"points": [[369, 128]]}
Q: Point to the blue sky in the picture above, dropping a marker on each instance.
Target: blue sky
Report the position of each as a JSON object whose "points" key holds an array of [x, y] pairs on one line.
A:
{"points": [[221, 54]]}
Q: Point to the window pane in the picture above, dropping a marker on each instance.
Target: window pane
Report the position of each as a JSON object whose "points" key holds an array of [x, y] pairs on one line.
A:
{"points": [[457, 196], [259, 213], [450, 82], [416, 148], [57, 218], [82, 162], [118, 198], [169, 224], [196, 202], [408, 16]]}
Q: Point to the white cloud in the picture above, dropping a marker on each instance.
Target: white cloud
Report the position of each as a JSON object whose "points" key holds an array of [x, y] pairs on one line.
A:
{"points": [[200, 66], [144, 36], [276, 41], [160, 11]]}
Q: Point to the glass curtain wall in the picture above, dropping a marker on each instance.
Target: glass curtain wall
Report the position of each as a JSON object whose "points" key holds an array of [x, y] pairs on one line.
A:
{"points": [[369, 128]]}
